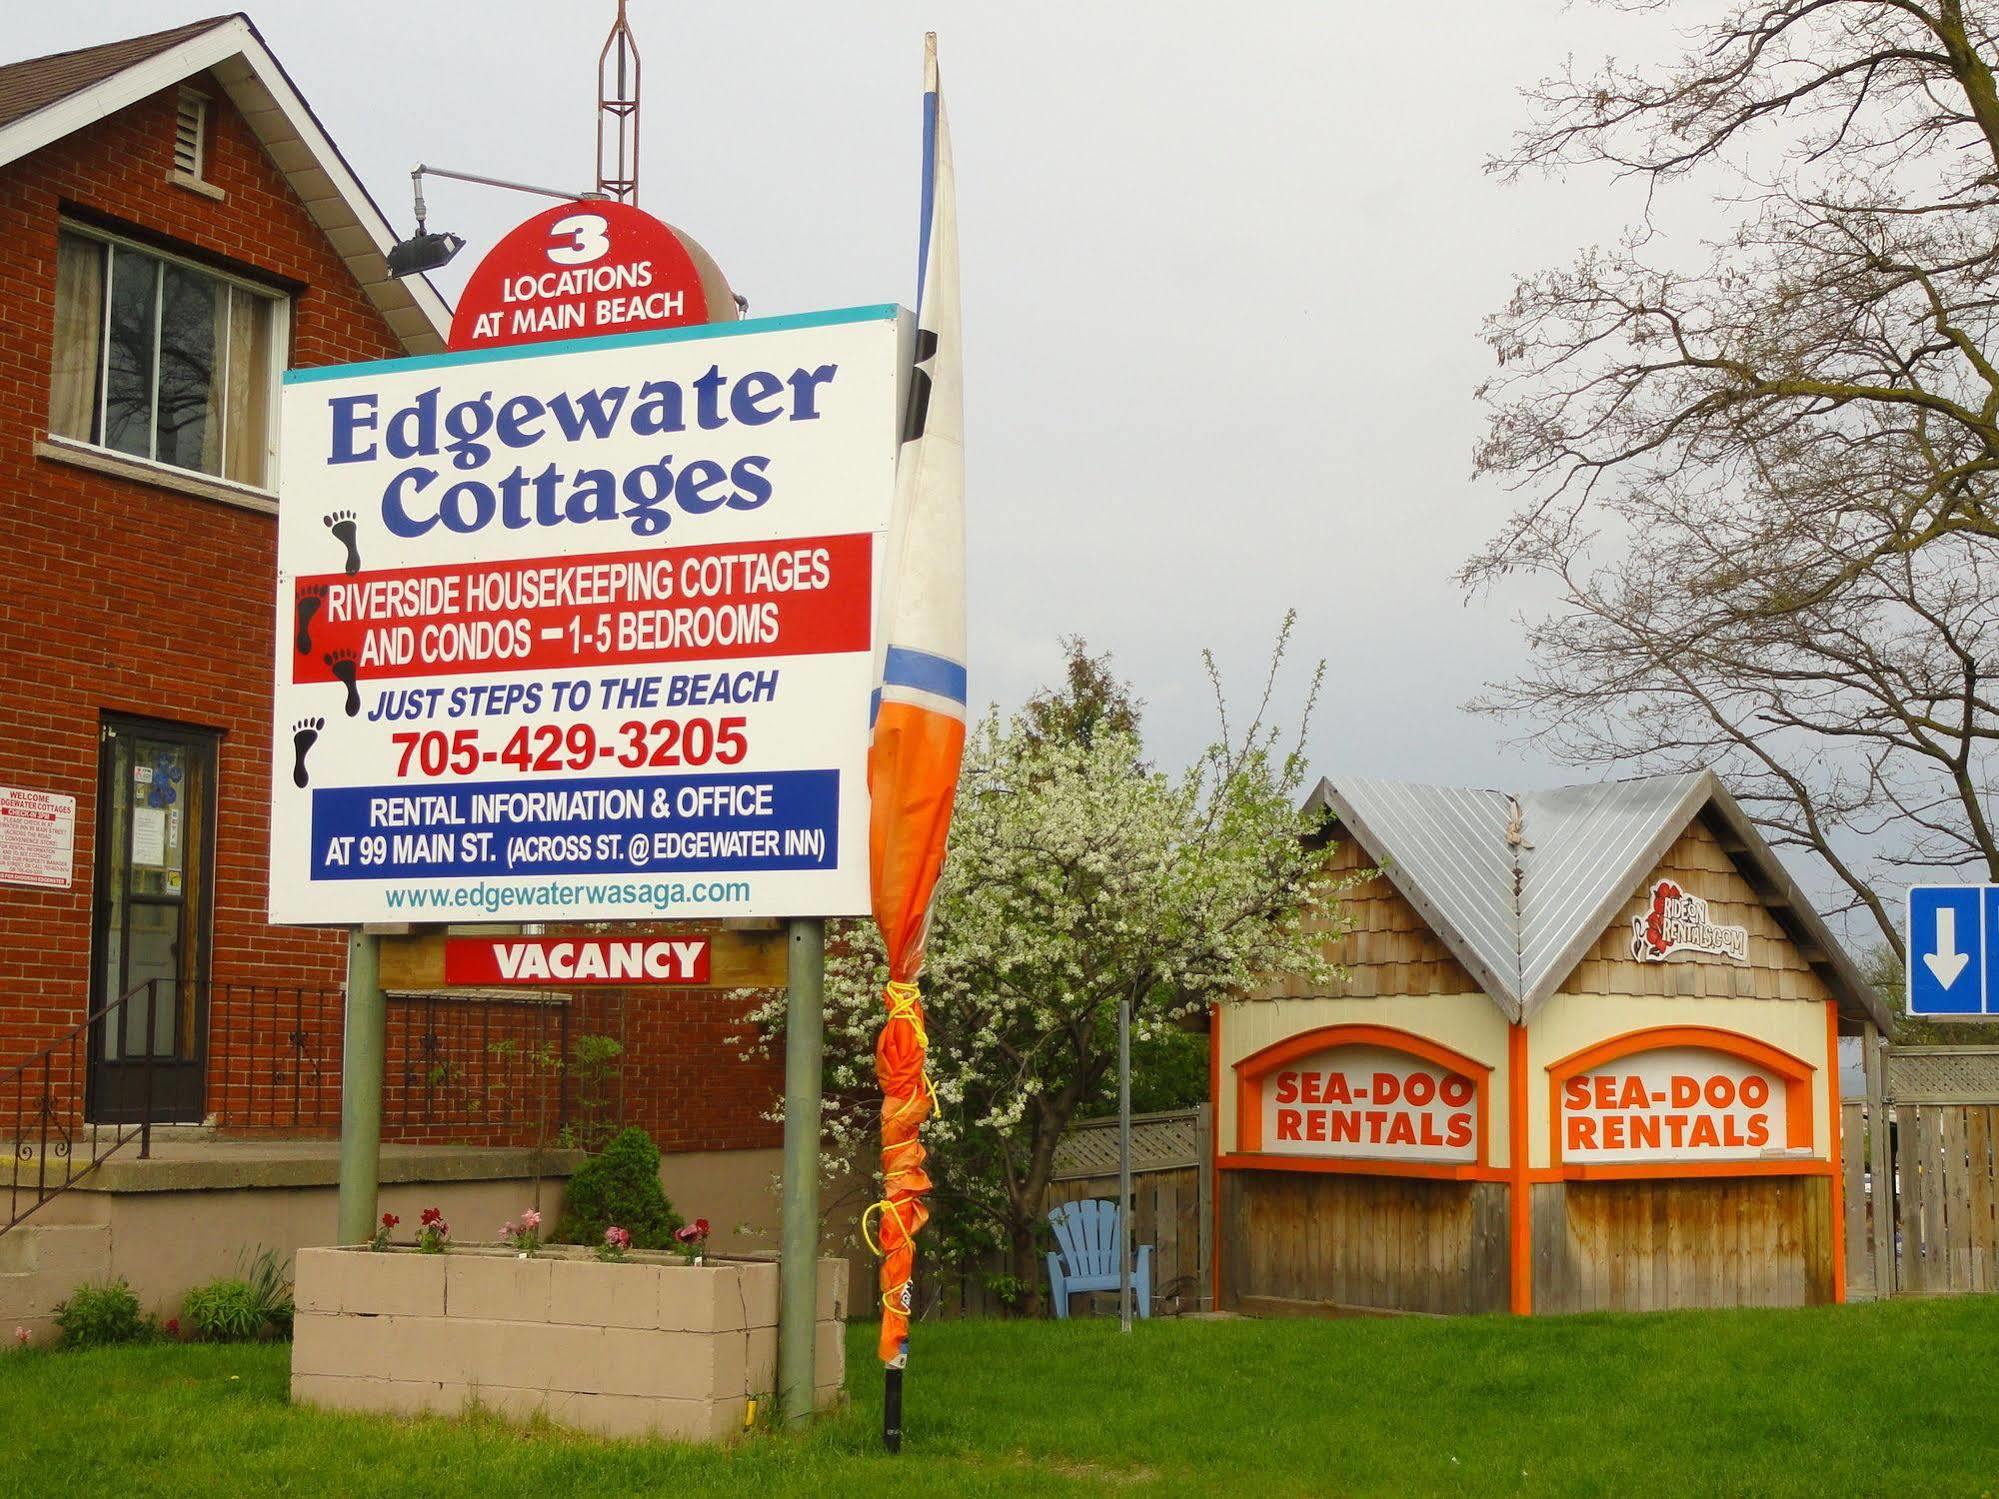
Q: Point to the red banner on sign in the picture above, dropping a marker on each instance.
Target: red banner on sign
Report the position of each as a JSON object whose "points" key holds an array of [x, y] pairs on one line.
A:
{"points": [[562, 962], [580, 270], [743, 601]]}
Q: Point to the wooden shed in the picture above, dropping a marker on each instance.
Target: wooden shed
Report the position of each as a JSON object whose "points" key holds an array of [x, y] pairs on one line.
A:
{"points": [[1585, 1056]]}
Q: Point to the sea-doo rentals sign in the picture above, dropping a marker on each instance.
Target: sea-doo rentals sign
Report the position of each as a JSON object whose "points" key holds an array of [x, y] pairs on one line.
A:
{"points": [[584, 631]]}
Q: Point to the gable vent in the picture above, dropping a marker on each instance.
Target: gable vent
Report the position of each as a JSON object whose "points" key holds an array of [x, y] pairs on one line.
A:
{"points": [[190, 121]]}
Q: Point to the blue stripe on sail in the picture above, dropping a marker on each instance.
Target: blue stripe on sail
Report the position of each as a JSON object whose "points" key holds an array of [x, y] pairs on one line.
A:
{"points": [[929, 195], [924, 672]]}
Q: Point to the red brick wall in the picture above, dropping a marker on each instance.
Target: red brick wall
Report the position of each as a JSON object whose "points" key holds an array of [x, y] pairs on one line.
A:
{"points": [[121, 596], [683, 1075], [465, 1071], [126, 597]]}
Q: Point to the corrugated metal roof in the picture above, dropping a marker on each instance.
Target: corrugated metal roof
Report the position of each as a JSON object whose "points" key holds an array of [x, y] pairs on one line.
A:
{"points": [[1586, 846], [1445, 848], [1520, 915]]}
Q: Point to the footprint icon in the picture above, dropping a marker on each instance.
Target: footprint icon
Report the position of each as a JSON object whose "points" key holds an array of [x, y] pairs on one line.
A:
{"points": [[344, 668], [305, 733], [309, 603], [341, 524]]}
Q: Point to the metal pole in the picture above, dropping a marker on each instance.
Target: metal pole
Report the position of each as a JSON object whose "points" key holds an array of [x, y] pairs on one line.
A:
{"points": [[798, 1268], [364, 1044], [1124, 1164], [1880, 1166]]}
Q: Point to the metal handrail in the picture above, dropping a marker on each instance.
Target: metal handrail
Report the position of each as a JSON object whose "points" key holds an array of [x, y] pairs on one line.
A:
{"points": [[48, 1128]]}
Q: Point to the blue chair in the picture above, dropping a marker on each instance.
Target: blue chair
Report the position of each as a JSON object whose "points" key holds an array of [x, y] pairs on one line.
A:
{"points": [[1087, 1232]]}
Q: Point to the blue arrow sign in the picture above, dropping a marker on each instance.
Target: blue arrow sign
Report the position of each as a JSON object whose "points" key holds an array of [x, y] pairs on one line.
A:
{"points": [[1953, 950]]}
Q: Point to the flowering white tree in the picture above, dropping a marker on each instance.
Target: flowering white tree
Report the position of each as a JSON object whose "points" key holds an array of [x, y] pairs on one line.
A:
{"points": [[1078, 877]]}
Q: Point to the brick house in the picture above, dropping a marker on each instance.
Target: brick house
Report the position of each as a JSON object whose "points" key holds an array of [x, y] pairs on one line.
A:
{"points": [[176, 228]]}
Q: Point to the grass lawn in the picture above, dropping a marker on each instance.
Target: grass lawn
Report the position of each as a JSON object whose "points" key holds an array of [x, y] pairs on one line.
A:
{"points": [[1896, 1399]]}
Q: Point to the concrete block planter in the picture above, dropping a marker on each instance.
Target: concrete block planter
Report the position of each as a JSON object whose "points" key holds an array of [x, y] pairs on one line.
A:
{"points": [[651, 1345]]}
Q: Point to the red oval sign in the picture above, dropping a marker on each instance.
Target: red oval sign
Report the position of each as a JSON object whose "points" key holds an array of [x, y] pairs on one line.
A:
{"points": [[580, 270]]}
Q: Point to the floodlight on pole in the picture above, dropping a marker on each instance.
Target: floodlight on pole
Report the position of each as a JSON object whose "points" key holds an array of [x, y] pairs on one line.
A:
{"points": [[429, 251]]}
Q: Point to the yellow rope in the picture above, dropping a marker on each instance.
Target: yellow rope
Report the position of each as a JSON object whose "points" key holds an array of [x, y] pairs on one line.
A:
{"points": [[867, 1231], [902, 1005]]}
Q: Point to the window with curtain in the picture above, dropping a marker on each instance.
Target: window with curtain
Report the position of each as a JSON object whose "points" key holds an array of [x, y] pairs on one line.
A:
{"points": [[161, 360]]}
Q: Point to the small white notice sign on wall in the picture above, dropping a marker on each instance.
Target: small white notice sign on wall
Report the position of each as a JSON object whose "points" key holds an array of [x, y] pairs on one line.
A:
{"points": [[37, 838]]}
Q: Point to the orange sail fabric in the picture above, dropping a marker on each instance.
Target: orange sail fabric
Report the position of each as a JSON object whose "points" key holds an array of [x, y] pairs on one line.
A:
{"points": [[919, 725]]}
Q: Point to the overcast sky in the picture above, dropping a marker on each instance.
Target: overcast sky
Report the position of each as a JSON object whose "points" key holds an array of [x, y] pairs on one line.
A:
{"points": [[1224, 268]]}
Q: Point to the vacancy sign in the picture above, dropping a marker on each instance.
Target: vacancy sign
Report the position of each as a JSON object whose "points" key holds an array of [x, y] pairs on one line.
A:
{"points": [[1368, 1103], [1953, 951], [1676, 1103], [580, 270], [584, 632], [531, 962]]}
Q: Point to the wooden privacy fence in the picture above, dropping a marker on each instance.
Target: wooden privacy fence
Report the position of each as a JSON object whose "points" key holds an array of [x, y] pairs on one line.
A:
{"points": [[1921, 1162], [1172, 1181]]}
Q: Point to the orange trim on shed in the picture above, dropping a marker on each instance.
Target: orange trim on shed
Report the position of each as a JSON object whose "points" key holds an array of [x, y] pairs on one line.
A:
{"points": [[1519, 1197], [1666, 1170], [1362, 1166]]}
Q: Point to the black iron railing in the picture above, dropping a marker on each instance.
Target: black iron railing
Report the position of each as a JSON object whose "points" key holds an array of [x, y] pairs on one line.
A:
{"points": [[249, 1059], [461, 1069], [52, 1148]]}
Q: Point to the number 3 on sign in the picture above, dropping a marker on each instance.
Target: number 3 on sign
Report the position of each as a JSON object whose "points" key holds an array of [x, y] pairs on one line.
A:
{"points": [[588, 239]]}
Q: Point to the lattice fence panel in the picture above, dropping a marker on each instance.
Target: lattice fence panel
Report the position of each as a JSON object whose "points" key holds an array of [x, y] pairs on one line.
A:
{"points": [[1943, 1074], [1159, 1142]]}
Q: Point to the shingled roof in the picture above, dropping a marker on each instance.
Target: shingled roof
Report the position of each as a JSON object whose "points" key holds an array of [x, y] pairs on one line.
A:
{"points": [[40, 81], [44, 99], [1520, 885]]}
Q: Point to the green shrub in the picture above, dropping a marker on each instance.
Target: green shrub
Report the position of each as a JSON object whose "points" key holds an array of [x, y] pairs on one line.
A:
{"points": [[253, 1303], [224, 1311], [266, 1276], [620, 1186], [96, 1316]]}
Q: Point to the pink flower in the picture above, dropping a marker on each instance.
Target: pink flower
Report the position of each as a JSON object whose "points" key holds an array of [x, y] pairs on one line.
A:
{"points": [[509, 1229], [618, 1238], [531, 1219], [20, 1334]]}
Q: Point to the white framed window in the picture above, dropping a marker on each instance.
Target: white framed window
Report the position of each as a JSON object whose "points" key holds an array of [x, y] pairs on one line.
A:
{"points": [[163, 360]]}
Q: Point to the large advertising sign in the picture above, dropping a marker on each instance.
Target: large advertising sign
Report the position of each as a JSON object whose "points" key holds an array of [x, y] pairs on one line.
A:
{"points": [[1680, 1103], [1366, 1102], [584, 631]]}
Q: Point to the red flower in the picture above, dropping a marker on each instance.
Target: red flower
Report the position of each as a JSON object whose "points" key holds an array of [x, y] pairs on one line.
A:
{"points": [[390, 1220], [172, 1328], [431, 1216], [700, 1228]]}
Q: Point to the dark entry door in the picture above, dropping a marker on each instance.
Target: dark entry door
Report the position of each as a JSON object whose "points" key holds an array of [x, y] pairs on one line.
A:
{"points": [[155, 862]]}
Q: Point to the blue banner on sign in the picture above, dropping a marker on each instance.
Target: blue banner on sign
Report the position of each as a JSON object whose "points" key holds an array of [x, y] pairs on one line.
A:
{"points": [[777, 820], [1951, 951]]}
